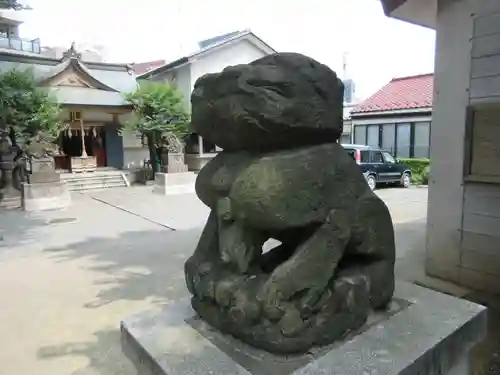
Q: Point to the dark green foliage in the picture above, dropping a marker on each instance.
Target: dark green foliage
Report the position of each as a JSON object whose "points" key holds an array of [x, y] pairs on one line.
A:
{"points": [[26, 110], [158, 109], [419, 168]]}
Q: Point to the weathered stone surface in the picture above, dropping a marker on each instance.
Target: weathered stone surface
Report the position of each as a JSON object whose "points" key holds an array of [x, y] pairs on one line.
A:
{"points": [[166, 183], [298, 186], [280, 101], [423, 332], [10, 202], [45, 196], [41, 177], [174, 163], [45, 164], [42, 170], [9, 196]]}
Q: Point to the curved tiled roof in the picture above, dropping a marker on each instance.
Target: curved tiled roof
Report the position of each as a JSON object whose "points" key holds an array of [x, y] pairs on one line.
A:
{"points": [[411, 92], [77, 66], [108, 79]]}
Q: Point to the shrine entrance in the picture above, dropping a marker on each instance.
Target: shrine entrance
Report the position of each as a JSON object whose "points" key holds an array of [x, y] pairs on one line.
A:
{"points": [[72, 144], [82, 146]]}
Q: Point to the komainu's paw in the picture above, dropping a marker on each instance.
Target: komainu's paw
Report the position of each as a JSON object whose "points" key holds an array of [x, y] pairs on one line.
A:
{"points": [[202, 277]]}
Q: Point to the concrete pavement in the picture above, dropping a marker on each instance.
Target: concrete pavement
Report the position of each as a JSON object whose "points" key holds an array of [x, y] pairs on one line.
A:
{"points": [[68, 277]]}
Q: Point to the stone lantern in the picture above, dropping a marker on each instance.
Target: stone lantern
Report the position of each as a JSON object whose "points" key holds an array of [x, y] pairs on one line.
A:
{"points": [[9, 196]]}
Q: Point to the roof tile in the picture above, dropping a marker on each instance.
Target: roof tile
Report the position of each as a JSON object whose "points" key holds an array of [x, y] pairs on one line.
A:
{"points": [[400, 93], [141, 68]]}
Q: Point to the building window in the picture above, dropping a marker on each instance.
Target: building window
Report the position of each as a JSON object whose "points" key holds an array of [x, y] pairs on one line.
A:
{"points": [[484, 133], [421, 140], [388, 137], [403, 140], [373, 135], [360, 134]]}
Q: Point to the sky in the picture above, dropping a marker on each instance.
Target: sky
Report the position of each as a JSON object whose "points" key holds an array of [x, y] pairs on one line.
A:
{"points": [[378, 48]]}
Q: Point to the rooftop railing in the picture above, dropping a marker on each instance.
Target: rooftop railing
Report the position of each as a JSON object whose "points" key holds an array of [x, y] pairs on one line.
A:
{"points": [[19, 44]]}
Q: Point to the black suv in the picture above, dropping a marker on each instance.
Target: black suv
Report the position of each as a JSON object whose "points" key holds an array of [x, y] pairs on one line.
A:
{"points": [[379, 166]]}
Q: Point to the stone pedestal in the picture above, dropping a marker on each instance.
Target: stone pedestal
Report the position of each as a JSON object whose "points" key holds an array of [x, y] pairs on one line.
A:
{"points": [[425, 332], [174, 183], [45, 196], [11, 202], [9, 196], [43, 171], [174, 163]]}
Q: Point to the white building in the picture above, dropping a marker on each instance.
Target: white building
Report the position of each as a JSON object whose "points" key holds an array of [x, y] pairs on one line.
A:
{"points": [[10, 21], [213, 56]]}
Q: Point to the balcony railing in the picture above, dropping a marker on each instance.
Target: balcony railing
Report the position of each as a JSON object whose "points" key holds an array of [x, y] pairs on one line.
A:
{"points": [[19, 44]]}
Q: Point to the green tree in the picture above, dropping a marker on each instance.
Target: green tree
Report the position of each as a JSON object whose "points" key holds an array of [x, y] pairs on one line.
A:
{"points": [[12, 4], [159, 108], [28, 112]]}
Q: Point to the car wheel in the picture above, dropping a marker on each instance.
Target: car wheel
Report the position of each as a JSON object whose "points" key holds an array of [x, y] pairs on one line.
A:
{"points": [[372, 182], [406, 180]]}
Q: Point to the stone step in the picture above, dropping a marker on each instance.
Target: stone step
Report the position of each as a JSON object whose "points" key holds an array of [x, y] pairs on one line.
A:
{"points": [[93, 181], [89, 176], [96, 186], [10, 203]]}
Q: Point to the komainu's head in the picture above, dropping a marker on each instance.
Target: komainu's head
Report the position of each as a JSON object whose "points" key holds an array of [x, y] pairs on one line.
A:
{"points": [[279, 101]]}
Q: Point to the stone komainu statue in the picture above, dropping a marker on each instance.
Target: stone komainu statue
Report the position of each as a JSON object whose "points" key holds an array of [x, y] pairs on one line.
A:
{"points": [[174, 145], [40, 146], [282, 175]]}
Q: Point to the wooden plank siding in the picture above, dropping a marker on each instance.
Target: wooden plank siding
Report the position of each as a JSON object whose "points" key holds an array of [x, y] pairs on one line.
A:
{"points": [[480, 248], [485, 54], [480, 231]]}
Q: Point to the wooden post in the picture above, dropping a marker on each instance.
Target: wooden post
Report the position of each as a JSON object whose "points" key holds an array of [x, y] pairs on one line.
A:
{"points": [[84, 151]]}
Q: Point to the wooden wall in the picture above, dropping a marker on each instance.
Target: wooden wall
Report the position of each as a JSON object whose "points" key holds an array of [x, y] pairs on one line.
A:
{"points": [[480, 253], [480, 230], [485, 54]]}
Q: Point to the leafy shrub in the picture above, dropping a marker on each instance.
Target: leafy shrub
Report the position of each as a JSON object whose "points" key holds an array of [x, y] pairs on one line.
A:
{"points": [[419, 169], [425, 175]]}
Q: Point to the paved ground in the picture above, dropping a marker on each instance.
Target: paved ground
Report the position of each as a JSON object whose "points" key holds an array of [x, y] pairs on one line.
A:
{"points": [[67, 277]]}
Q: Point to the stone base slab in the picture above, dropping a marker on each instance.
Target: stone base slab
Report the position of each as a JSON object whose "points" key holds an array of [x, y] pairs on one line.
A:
{"points": [[172, 183], [45, 196], [43, 177], [42, 165], [179, 168], [175, 163], [10, 202], [430, 334]]}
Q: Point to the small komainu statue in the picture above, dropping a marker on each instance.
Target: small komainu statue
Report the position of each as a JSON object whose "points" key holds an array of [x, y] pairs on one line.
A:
{"points": [[283, 176], [40, 146], [173, 144]]}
